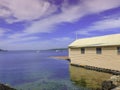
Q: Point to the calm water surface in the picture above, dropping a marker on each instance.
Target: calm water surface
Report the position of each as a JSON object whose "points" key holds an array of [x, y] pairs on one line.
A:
{"points": [[29, 70]]}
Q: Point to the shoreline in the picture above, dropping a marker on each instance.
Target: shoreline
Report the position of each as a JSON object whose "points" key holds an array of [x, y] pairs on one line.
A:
{"points": [[6, 87], [114, 80], [61, 57], [99, 69], [95, 68]]}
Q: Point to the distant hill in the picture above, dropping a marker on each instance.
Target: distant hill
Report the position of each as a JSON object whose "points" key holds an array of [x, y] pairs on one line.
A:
{"points": [[59, 49], [2, 50], [55, 49]]}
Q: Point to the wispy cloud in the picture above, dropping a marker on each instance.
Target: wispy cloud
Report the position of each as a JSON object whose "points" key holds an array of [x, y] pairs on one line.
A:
{"points": [[19, 40], [69, 14], [44, 17], [34, 43], [24, 10], [1, 32], [63, 39], [103, 25], [106, 24], [96, 6], [25, 39]]}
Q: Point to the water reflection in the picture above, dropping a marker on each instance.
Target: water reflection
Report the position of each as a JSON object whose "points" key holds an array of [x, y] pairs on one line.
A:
{"points": [[87, 78]]}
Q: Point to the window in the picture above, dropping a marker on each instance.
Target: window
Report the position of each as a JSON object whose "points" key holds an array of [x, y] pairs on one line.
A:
{"points": [[118, 50], [82, 50], [98, 50]]}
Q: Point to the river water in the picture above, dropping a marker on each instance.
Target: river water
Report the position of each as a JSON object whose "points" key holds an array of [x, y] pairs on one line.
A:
{"points": [[33, 70]]}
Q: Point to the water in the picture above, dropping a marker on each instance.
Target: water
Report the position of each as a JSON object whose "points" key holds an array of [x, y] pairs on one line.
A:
{"points": [[88, 78], [30, 70]]}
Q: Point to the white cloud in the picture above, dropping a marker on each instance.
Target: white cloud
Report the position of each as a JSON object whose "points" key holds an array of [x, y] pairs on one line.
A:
{"points": [[3, 31], [103, 25], [82, 32], [29, 10], [4, 13], [106, 24], [17, 35], [24, 39], [62, 39], [19, 40], [34, 9], [96, 6], [25, 9], [72, 14], [35, 44]]}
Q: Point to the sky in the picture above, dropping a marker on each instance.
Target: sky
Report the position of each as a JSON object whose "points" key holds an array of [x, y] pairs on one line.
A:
{"points": [[47, 24]]}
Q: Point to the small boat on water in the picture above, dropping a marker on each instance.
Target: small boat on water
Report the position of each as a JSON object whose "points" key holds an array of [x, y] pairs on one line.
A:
{"points": [[57, 50]]}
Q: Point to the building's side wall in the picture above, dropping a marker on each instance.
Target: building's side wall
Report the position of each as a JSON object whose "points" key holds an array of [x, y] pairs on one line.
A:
{"points": [[108, 59]]}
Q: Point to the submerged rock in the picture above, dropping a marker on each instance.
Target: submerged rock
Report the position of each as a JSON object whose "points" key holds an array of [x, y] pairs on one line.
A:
{"points": [[117, 88], [116, 80], [108, 85], [5, 87]]}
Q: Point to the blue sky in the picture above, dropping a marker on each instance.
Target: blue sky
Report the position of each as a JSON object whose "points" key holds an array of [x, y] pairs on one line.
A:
{"points": [[46, 24]]}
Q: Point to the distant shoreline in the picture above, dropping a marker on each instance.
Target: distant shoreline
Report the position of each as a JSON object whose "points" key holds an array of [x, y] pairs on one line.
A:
{"points": [[61, 57], [1, 50]]}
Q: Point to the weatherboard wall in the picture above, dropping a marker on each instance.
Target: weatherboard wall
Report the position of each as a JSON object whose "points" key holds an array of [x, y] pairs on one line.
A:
{"points": [[109, 58]]}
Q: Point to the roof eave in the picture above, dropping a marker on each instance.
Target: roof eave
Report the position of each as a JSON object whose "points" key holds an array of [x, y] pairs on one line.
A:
{"points": [[91, 46]]}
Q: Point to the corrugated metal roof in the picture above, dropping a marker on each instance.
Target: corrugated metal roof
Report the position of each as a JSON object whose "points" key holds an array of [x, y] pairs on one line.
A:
{"points": [[107, 40]]}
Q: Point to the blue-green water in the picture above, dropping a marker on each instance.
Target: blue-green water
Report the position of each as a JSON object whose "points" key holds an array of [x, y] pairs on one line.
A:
{"points": [[29, 70]]}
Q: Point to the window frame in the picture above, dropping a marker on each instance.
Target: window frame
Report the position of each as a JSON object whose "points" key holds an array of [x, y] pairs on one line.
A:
{"points": [[82, 50], [98, 50], [118, 50]]}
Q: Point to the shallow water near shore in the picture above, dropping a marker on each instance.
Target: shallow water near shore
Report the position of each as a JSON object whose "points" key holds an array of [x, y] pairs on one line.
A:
{"points": [[32, 70]]}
